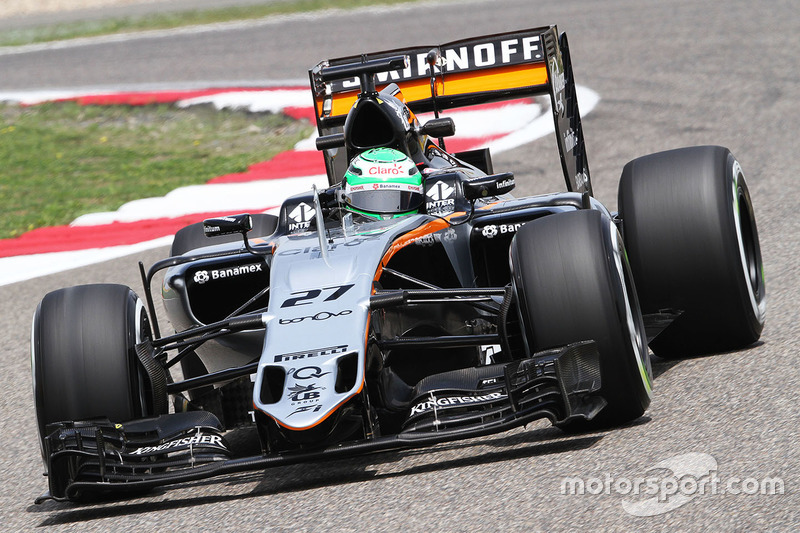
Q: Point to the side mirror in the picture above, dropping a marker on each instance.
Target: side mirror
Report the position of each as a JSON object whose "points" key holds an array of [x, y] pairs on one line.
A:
{"points": [[213, 227], [493, 185], [439, 127], [329, 197]]}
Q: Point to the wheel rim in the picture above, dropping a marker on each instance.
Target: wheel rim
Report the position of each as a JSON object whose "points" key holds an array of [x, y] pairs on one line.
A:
{"points": [[747, 240], [33, 383], [142, 332], [635, 332]]}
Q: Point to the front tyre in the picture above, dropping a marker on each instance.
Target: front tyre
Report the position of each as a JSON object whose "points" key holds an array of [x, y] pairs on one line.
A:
{"points": [[83, 356], [693, 244], [573, 283]]}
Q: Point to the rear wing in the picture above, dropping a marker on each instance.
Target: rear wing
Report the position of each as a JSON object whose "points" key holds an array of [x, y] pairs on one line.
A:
{"points": [[533, 62]]}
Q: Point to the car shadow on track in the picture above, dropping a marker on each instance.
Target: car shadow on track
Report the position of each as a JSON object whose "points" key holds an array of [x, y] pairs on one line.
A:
{"points": [[661, 366]]}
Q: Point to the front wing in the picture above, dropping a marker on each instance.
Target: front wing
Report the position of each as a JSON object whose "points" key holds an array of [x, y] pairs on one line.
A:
{"points": [[99, 457]]}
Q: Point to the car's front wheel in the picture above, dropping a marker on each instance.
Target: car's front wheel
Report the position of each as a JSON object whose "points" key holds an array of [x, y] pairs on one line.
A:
{"points": [[83, 356], [573, 283]]}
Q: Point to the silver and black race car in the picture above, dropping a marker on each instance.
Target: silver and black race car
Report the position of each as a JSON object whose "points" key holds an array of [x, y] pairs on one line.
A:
{"points": [[413, 301]]}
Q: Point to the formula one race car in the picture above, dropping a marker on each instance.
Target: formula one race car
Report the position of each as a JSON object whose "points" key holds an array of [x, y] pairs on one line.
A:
{"points": [[414, 301]]}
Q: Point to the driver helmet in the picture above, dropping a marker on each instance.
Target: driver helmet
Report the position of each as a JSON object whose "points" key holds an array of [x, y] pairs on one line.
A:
{"points": [[382, 183]]}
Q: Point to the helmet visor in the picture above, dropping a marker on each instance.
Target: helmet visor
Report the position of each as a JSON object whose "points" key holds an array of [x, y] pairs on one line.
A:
{"points": [[384, 197]]}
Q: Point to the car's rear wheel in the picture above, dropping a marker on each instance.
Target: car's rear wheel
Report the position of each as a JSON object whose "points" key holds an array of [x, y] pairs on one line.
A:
{"points": [[691, 236], [573, 283], [83, 356], [192, 236]]}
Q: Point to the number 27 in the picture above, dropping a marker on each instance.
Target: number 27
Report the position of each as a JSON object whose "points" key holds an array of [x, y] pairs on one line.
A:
{"points": [[307, 297]]}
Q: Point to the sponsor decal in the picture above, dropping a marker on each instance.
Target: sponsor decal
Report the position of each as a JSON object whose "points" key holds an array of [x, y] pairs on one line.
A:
{"points": [[306, 408], [510, 228], [304, 393], [332, 247], [432, 238], [322, 315], [306, 372], [505, 183], [441, 201], [440, 191], [302, 215], [203, 276], [426, 240], [581, 179], [450, 235], [492, 230], [308, 354], [559, 83], [468, 56], [570, 140], [561, 107], [195, 440], [454, 401], [559, 80], [377, 170], [390, 186]]}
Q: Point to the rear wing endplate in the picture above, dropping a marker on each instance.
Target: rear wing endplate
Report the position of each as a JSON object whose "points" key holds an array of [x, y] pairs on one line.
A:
{"points": [[533, 62]]}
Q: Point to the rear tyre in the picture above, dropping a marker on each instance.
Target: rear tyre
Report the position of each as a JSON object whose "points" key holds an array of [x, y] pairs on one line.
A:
{"points": [[192, 236], [693, 246], [573, 283], [83, 356]]}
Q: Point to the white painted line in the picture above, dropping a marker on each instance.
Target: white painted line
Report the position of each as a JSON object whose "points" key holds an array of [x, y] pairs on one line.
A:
{"points": [[255, 101], [25, 267], [231, 197]]}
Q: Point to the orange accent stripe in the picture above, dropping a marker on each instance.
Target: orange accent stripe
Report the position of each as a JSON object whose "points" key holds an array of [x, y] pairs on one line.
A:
{"points": [[426, 229], [509, 77]]}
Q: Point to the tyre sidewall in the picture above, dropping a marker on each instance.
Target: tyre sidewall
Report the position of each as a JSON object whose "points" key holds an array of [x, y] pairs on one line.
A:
{"points": [[571, 282], [79, 371]]}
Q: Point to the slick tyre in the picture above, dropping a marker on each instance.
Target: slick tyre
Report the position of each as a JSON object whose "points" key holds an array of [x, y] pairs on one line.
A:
{"points": [[693, 245], [192, 237], [573, 283], [83, 356]]}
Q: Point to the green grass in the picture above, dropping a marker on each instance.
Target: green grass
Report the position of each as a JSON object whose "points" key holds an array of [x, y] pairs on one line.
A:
{"points": [[175, 20], [62, 160]]}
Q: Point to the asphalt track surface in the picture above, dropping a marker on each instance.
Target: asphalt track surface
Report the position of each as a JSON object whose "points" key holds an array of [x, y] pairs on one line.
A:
{"points": [[670, 74]]}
